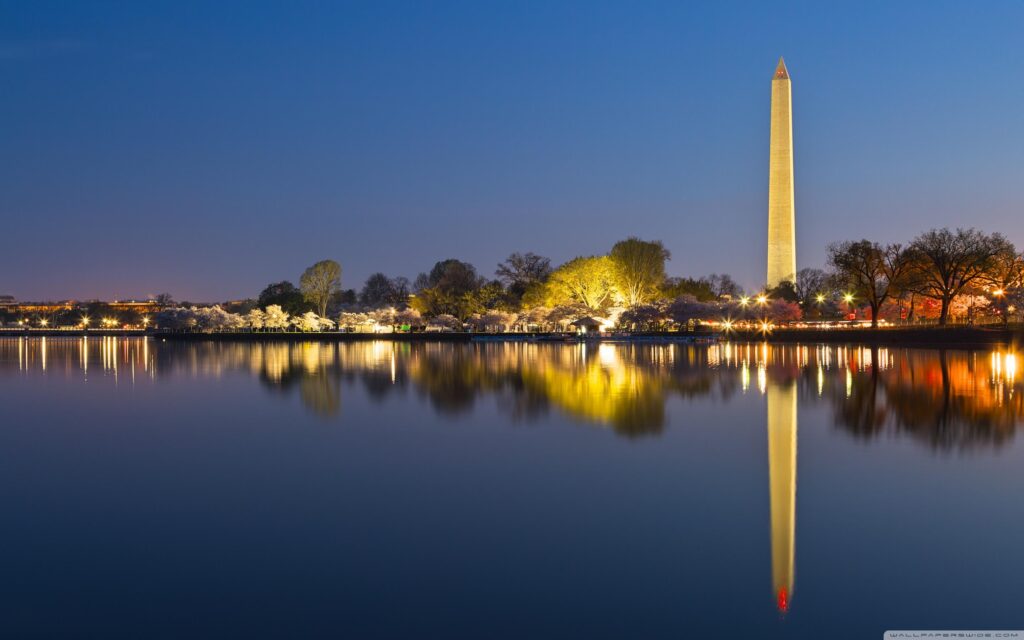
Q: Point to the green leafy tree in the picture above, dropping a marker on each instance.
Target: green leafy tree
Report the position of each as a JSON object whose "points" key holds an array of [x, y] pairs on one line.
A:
{"points": [[699, 288], [449, 289], [589, 281], [639, 269], [319, 282], [285, 295]]}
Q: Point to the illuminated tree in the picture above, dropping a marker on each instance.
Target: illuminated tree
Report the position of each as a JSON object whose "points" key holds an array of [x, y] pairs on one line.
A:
{"points": [[1005, 280], [408, 317], [256, 319], [782, 311], [645, 317], [589, 281], [638, 269], [686, 310], [448, 289], [383, 317], [493, 320], [276, 318], [872, 273], [319, 282], [947, 262], [447, 321], [310, 321], [352, 321]]}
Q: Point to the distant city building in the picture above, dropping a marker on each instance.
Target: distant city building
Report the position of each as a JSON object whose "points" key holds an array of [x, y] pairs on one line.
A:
{"points": [[781, 210], [138, 306]]}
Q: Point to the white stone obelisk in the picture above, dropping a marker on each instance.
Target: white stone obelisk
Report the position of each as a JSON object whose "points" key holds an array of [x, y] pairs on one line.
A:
{"points": [[781, 211]]}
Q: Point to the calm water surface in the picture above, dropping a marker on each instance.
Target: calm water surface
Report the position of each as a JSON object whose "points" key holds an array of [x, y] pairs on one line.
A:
{"points": [[381, 490]]}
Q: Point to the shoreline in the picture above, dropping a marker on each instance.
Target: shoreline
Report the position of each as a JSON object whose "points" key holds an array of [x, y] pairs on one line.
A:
{"points": [[893, 336]]}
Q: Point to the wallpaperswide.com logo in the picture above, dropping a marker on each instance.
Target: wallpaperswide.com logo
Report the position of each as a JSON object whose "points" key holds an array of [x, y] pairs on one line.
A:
{"points": [[949, 633]]}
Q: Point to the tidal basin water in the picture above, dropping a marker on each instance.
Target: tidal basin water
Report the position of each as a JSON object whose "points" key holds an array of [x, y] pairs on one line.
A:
{"points": [[395, 490]]}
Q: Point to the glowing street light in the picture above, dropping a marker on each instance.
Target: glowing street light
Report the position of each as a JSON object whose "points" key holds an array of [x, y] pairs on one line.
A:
{"points": [[998, 293], [44, 322], [848, 298], [744, 301], [820, 298], [85, 321], [762, 299], [145, 321]]}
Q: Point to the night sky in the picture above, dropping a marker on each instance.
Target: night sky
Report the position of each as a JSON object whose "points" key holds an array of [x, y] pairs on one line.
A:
{"points": [[207, 149]]}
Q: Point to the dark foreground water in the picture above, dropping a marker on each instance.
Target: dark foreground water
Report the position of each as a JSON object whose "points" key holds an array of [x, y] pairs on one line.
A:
{"points": [[383, 490]]}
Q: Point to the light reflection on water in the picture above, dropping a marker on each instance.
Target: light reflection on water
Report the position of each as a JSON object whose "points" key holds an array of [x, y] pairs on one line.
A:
{"points": [[942, 402], [947, 399]]}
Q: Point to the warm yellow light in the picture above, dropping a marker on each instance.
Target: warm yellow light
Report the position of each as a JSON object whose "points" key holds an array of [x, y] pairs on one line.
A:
{"points": [[727, 324], [820, 298], [998, 292], [145, 320], [44, 322], [744, 301], [766, 326], [848, 297], [761, 299], [85, 321]]}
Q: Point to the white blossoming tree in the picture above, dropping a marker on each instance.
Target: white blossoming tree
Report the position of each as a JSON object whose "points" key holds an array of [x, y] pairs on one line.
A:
{"points": [[409, 317], [256, 319], [276, 318], [447, 321], [308, 321]]}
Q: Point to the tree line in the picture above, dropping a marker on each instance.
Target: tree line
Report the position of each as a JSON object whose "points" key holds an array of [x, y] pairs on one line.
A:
{"points": [[939, 274]]}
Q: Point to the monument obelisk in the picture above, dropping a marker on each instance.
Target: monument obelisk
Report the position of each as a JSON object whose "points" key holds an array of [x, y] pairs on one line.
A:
{"points": [[781, 212]]}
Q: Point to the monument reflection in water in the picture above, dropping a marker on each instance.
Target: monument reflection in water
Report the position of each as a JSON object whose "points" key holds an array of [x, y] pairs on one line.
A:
{"points": [[944, 400]]}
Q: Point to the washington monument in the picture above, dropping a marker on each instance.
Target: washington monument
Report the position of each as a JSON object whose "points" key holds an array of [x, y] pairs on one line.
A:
{"points": [[781, 213]]}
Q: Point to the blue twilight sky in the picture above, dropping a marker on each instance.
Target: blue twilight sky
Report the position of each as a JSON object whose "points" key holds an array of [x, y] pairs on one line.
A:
{"points": [[206, 149]]}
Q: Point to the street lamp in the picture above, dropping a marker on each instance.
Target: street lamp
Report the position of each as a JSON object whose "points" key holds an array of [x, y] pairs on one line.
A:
{"points": [[744, 301], [762, 299], [820, 298], [85, 321], [848, 298]]}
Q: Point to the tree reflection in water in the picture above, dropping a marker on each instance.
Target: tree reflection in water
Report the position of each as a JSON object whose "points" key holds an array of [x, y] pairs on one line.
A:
{"points": [[944, 399]]}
